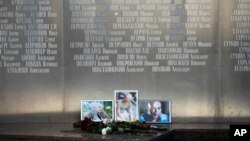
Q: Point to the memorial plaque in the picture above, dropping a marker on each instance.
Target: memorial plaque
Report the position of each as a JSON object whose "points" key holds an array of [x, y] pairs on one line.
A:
{"points": [[163, 48], [139, 36], [54, 53], [235, 58], [30, 37], [30, 57]]}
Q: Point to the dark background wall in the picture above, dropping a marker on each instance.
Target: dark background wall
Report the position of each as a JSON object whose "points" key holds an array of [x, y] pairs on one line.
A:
{"points": [[51, 51]]}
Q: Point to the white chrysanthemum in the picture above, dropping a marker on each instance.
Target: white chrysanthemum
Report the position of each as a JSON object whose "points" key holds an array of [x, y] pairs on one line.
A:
{"points": [[108, 128], [104, 131]]}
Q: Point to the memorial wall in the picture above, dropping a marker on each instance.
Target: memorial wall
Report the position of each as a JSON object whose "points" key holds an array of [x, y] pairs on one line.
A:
{"points": [[55, 53], [235, 59]]}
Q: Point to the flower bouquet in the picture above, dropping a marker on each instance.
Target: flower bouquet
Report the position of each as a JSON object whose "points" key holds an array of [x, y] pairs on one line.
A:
{"points": [[111, 127]]}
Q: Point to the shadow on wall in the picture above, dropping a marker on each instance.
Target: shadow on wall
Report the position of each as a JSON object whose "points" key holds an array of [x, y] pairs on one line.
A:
{"points": [[58, 117], [211, 120]]}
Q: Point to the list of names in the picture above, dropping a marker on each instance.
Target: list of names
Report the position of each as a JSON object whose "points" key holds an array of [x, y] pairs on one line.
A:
{"points": [[28, 36], [140, 35]]}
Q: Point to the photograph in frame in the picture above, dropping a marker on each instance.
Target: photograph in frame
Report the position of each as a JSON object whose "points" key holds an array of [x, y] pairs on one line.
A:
{"points": [[97, 110], [155, 111], [126, 105]]}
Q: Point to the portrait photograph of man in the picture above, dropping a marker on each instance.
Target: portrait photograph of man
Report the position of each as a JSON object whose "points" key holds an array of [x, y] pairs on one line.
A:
{"points": [[126, 105], [96, 110], [155, 111]]}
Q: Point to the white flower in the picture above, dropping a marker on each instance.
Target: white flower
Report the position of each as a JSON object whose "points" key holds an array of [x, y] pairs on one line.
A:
{"points": [[104, 131], [108, 128]]}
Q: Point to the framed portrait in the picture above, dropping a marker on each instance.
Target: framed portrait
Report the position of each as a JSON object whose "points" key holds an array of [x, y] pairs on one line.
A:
{"points": [[155, 111], [97, 110], [126, 105]]}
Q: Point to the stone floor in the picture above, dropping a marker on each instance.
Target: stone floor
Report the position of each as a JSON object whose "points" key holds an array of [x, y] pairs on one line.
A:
{"points": [[66, 132]]}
